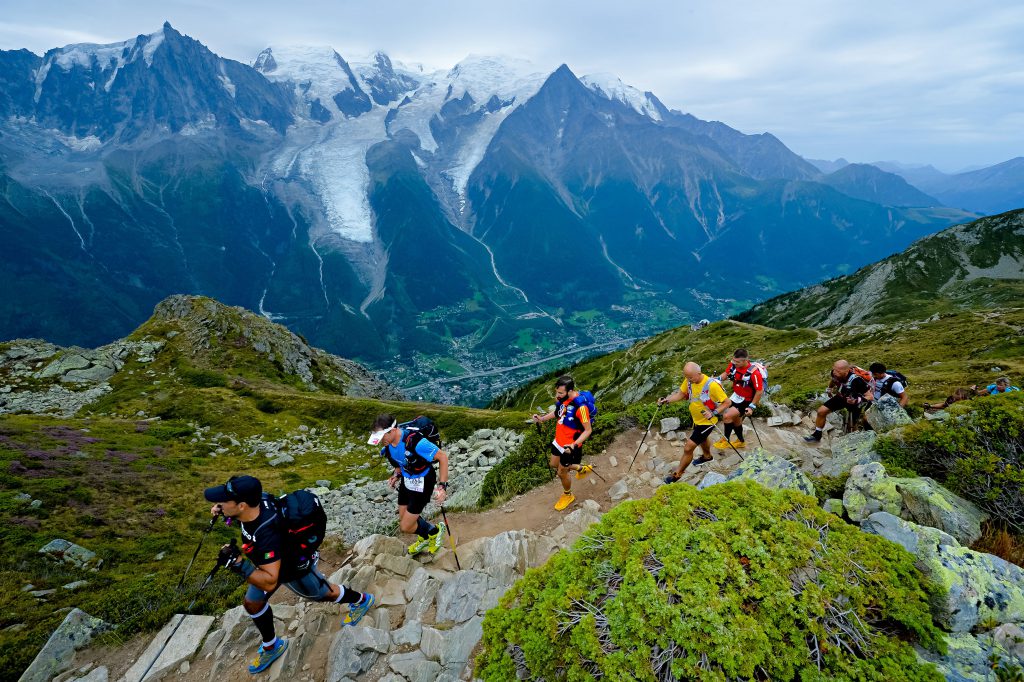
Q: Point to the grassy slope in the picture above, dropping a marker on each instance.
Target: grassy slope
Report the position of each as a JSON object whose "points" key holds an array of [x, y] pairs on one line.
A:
{"points": [[956, 349], [130, 489], [929, 277]]}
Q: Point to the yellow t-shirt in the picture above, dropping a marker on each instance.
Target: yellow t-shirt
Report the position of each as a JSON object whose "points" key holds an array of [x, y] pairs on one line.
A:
{"points": [[716, 393]]}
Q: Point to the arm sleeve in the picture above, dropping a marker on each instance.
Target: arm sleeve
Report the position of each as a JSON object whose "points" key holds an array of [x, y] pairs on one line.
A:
{"points": [[897, 388], [426, 449], [583, 414]]}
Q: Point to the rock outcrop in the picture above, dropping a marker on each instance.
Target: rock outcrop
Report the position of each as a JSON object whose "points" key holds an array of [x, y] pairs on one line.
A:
{"points": [[920, 500], [58, 654]]}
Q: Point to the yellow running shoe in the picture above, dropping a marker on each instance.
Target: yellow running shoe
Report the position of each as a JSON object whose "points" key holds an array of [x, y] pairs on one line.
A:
{"points": [[722, 444], [564, 501], [584, 470], [418, 546], [739, 443]]}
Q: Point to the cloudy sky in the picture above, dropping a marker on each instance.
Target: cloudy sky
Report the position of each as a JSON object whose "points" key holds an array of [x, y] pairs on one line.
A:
{"points": [[934, 81]]}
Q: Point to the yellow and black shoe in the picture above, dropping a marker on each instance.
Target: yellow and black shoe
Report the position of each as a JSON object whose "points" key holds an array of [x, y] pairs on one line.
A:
{"points": [[564, 501]]}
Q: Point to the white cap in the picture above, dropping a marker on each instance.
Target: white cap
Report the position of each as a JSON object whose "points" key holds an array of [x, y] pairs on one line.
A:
{"points": [[376, 436]]}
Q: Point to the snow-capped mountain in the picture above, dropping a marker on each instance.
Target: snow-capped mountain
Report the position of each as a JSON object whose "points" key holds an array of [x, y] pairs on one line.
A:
{"points": [[387, 210]]}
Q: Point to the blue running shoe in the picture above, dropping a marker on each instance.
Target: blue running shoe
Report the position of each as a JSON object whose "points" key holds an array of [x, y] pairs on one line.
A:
{"points": [[358, 610], [267, 656]]}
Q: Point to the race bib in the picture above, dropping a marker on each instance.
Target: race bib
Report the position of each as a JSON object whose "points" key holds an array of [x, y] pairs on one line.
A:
{"points": [[736, 398], [558, 447], [413, 484]]}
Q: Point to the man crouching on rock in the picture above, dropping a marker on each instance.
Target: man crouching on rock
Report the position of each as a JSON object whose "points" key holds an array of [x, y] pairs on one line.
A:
{"points": [[264, 564]]}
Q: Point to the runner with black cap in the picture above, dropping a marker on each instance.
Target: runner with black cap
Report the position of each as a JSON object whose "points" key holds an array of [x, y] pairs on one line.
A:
{"points": [[262, 561], [412, 455]]}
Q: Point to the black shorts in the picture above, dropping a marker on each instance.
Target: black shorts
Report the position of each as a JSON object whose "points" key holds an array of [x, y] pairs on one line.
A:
{"points": [[742, 406], [701, 433], [569, 456], [413, 500], [838, 402]]}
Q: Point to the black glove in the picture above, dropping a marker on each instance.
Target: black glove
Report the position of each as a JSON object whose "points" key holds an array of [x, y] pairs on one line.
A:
{"points": [[228, 554]]}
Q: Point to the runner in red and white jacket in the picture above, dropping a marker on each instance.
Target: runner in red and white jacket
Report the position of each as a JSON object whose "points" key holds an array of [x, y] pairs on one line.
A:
{"points": [[747, 389]]}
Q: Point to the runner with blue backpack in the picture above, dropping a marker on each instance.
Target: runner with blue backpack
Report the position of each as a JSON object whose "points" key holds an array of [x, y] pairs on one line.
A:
{"points": [[575, 412], [412, 448]]}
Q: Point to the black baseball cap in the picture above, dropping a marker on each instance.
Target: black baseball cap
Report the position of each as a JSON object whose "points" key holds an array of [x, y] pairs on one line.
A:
{"points": [[238, 489]]}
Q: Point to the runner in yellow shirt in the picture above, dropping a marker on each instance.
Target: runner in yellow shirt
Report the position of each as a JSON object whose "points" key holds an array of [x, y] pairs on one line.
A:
{"points": [[708, 402]]}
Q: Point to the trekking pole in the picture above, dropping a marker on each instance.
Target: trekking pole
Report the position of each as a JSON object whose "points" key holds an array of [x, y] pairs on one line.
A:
{"points": [[755, 432], [160, 651], [646, 433], [196, 553], [714, 425], [451, 538]]}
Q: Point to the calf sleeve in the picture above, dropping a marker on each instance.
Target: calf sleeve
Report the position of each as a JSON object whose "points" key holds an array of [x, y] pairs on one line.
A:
{"points": [[264, 622]]}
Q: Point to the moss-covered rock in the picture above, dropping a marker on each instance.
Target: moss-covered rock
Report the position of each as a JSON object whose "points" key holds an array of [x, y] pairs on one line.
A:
{"points": [[854, 449], [772, 472], [733, 582], [920, 500], [869, 490], [975, 588]]}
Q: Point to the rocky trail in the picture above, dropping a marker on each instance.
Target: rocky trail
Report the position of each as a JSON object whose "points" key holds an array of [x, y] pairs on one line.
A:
{"points": [[427, 622]]}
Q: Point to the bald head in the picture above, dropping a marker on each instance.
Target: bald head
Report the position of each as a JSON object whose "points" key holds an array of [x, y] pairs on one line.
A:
{"points": [[692, 371], [841, 369]]}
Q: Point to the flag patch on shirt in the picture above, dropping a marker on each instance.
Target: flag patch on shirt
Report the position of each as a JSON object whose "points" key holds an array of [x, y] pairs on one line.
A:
{"points": [[268, 555]]}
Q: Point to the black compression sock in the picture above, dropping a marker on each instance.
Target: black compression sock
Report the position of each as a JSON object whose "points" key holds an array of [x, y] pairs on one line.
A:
{"points": [[739, 431], [424, 528], [728, 431], [264, 622], [348, 596]]}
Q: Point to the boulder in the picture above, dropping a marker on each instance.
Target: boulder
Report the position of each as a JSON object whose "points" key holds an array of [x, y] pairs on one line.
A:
{"points": [[929, 504], [854, 449], [670, 424], [451, 648], [618, 490], [100, 674], [1010, 638], [71, 554], [869, 490], [167, 651], [58, 654], [415, 667], [886, 414], [94, 374], [920, 500], [977, 588], [576, 523], [966, 658], [772, 472], [711, 478], [459, 598]]}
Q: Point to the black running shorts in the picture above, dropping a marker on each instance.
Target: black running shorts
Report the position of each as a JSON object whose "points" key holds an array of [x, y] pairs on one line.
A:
{"points": [[413, 500], [569, 456], [742, 406], [701, 433], [838, 402]]}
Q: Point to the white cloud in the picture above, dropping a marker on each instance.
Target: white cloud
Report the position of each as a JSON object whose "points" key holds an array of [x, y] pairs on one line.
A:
{"points": [[921, 81]]}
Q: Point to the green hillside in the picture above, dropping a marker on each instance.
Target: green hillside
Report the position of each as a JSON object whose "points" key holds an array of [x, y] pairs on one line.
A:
{"points": [[976, 265], [124, 477]]}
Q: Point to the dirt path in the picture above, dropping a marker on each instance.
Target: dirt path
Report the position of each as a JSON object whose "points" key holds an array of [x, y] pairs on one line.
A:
{"points": [[535, 510]]}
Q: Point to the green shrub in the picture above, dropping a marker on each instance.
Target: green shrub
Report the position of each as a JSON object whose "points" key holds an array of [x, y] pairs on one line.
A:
{"points": [[830, 487], [202, 378], [733, 582], [977, 453]]}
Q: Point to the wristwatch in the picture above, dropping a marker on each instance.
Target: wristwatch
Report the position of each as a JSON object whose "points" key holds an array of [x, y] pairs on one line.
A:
{"points": [[443, 484]]}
